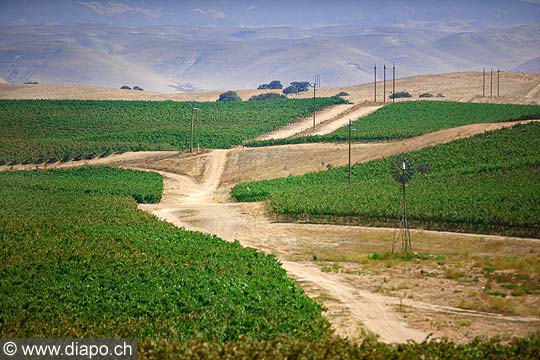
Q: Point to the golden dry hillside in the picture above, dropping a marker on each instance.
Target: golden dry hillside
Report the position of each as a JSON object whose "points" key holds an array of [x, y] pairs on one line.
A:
{"points": [[465, 86]]}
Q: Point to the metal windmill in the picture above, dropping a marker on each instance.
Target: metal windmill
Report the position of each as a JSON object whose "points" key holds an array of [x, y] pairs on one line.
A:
{"points": [[402, 171]]}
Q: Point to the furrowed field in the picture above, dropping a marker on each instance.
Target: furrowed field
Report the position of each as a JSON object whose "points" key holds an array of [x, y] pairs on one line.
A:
{"points": [[78, 259], [409, 119], [37, 131], [488, 184]]}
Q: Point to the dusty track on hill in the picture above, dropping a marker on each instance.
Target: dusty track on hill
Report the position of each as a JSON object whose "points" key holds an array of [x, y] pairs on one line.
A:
{"points": [[296, 127], [326, 121], [202, 205], [193, 206]]}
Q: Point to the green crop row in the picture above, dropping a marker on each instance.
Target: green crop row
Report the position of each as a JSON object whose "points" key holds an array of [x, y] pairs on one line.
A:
{"points": [[339, 349], [78, 259], [489, 183], [414, 118], [37, 131]]}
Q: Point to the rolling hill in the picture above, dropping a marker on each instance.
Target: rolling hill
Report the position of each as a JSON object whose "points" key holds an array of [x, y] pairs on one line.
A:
{"points": [[519, 88], [170, 59]]}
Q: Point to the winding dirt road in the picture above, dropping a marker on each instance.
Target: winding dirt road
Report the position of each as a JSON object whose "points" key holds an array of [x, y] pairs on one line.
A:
{"points": [[193, 206], [203, 205]]}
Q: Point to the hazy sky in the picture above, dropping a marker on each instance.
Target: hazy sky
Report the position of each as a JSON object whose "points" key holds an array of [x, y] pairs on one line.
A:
{"points": [[298, 13]]}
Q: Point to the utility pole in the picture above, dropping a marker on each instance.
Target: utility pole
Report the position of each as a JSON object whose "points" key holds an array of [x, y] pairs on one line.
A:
{"points": [[314, 100], [498, 78], [375, 83], [193, 108], [393, 81], [491, 83], [350, 131], [484, 84], [384, 84], [350, 142]]}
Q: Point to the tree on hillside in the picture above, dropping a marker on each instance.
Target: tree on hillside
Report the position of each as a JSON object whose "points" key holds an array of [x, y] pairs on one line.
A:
{"points": [[274, 84], [229, 96], [297, 87], [400, 94]]}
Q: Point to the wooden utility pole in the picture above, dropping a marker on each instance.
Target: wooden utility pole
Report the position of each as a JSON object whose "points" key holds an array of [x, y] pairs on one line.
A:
{"points": [[192, 127], [498, 78], [350, 131], [491, 83], [375, 84], [193, 108], [314, 99], [384, 84], [393, 81], [484, 83]]}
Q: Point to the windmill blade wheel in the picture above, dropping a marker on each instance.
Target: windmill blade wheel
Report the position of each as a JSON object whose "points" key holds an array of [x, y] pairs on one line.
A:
{"points": [[402, 170]]}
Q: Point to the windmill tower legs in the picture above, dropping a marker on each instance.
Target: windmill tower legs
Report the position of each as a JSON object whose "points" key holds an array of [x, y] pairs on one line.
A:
{"points": [[403, 232]]}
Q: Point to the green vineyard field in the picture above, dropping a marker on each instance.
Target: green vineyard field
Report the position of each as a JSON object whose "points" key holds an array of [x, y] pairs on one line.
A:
{"points": [[37, 131], [414, 118], [78, 259], [489, 184]]}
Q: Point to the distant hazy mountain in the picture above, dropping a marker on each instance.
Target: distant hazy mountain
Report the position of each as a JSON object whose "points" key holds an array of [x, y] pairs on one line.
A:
{"points": [[264, 13], [532, 66], [169, 58]]}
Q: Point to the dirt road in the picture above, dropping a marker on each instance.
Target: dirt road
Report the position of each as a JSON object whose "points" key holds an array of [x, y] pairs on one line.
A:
{"points": [[327, 115], [196, 197], [326, 121], [247, 164], [192, 206], [341, 120], [203, 205]]}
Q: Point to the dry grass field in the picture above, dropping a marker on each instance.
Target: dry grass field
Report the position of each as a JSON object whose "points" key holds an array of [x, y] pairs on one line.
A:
{"points": [[522, 88]]}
